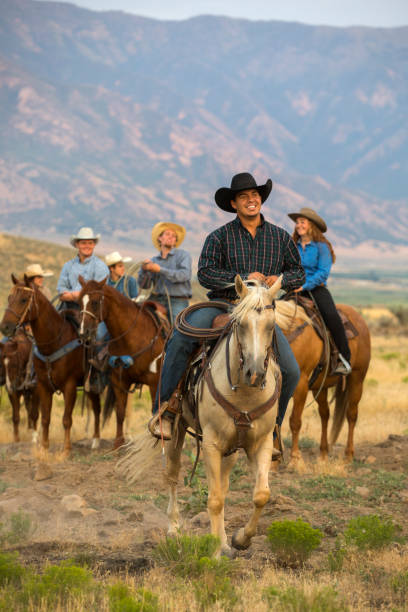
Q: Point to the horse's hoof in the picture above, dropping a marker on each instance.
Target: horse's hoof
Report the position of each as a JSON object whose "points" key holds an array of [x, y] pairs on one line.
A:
{"points": [[118, 443], [226, 551], [95, 443], [239, 541]]}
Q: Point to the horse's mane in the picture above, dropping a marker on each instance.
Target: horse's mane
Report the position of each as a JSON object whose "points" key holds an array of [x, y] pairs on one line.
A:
{"points": [[256, 299], [287, 312]]}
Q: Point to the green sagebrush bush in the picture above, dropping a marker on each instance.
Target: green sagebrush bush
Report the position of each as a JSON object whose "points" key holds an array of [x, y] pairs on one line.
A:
{"points": [[325, 599], [371, 532], [17, 530], [293, 541], [184, 554], [58, 582], [193, 557], [121, 599], [11, 572]]}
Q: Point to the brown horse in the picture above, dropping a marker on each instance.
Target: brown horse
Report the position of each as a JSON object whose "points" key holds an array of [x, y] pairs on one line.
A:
{"points": [[14, 362], [307, 348], [134, 332], [59, 360]]}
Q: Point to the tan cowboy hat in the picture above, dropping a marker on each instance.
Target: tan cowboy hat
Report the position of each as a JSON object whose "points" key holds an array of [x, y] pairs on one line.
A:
{"points": [[160, 227], [312, 215], [113, 258], [36, 270], [85, 233]]}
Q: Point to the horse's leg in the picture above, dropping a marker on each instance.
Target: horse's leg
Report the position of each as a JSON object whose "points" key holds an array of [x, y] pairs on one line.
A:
{"points": [[45, 407], [216, 496], [34, 410], [324, 412], [355, 388], [121, 396], [96, 407], [260, 462], [69, 403], [173, 453], [227, 463], [15, 405], [295, 421]]}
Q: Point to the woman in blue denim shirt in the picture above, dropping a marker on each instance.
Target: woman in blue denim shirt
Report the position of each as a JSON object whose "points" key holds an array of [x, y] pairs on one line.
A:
{"points": [[317, 257]]}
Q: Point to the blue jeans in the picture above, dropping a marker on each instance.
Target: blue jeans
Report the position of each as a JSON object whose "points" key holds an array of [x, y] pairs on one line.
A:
{"points": [[177, 305], [180, 348]]}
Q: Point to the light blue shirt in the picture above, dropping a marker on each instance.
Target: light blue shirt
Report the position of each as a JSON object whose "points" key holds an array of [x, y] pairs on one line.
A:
{"points": [[317, 262], [92, 268], [131, 286], [174, 275]]}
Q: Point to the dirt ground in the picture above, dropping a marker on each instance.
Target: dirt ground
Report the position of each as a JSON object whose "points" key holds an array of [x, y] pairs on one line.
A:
{"points": [[81, 508]]}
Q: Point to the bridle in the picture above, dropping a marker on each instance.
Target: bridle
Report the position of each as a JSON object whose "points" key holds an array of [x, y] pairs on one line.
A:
{"points": [[271, 350], [31, 301]]}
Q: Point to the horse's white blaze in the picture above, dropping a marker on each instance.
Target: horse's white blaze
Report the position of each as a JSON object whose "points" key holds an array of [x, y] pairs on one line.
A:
{"points": [[154, 366], [85, 301], [8, 381]]}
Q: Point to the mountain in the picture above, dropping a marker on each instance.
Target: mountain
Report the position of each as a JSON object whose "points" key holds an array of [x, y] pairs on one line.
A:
{"points": [[118, 121]]}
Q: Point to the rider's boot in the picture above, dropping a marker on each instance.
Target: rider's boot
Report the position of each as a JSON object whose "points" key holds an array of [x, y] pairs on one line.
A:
{"points": [[161, 423], [343, 367]]}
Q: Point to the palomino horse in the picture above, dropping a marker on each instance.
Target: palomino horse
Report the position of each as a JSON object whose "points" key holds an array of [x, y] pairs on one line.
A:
{"points": [[240, 417], [134, 333], [307, 348], [14, 361], [58, 360]]}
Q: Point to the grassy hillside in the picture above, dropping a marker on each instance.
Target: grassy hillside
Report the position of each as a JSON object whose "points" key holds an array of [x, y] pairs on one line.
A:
{"points": [[19, 252]]}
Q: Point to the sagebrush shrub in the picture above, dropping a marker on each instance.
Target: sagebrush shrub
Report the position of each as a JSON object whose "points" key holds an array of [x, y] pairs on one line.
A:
{"points": [[11, 572], [293, 541], [325, 599], [59, 582], [371, 532], [121, 599], [189, 556]]}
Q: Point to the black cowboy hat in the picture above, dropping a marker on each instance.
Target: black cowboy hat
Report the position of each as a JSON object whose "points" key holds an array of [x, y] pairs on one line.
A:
{"points": [[239, 182]]}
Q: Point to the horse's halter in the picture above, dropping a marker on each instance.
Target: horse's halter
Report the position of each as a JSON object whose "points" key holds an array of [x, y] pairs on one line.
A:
{"points": [[31, 301], [269, 350], [98, 317]]}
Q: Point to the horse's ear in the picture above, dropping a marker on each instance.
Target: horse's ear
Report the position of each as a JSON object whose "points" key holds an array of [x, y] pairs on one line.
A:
{"points": [[82, 280], [102, 282], [14, 279], [26, 280], [272, 291], [240, 287]]}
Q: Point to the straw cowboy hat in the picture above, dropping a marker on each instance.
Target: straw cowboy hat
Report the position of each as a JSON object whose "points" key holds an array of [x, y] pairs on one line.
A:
{"points": [[113, 258], [36, 270], [160, 227], [239, 182], [312, 215], [85, 233]]}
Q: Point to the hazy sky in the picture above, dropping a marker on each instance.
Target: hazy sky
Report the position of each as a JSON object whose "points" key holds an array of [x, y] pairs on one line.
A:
{"points": [[377, 13]]}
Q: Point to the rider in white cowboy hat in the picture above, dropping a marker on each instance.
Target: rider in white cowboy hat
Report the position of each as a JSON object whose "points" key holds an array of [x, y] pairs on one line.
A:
{"points": [[117, 278], [170, 270], [85, 264], [36, 274]]}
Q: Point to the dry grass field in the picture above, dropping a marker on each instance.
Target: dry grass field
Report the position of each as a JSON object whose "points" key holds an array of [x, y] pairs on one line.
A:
{"points": [[115, 528]]}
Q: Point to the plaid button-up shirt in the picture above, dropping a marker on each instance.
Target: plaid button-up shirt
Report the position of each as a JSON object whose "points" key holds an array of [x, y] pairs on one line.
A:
{"points": [[231, 250]]}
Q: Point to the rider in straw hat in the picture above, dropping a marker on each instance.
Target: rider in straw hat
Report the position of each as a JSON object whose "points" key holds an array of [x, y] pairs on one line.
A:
{"points": [[317, 256], [85, 264], [170, 271], [253, 248], [117, 278], [36, 274]]}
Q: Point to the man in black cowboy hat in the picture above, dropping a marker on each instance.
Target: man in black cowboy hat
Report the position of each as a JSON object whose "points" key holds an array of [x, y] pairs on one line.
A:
{"points": [[254, 249]]}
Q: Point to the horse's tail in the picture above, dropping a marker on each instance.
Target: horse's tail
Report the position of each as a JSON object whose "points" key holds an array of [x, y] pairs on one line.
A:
{"points": [[108, 404], [141, 453], [342, 402]]}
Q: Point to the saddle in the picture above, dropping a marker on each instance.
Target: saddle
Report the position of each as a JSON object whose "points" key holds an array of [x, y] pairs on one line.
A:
{"points": [[323, 333], [159, 314]]}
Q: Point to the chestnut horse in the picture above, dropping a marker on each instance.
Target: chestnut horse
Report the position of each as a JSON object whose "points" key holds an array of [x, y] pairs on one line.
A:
{"points": [[59, 360], [307, 348], [14, 361], [242, 417], [134, 333]]}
